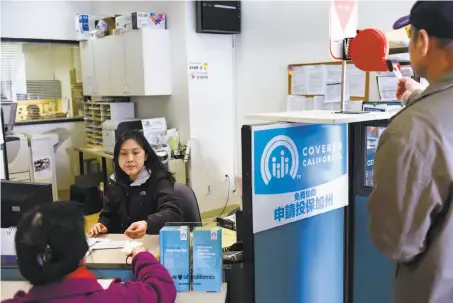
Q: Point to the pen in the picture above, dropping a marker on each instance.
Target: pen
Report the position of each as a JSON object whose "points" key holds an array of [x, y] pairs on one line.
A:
{"points": [[397, 71]]}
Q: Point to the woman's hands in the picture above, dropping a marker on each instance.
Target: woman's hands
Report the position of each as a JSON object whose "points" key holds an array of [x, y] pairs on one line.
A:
{"points": [[137, 230], [97, 229]]}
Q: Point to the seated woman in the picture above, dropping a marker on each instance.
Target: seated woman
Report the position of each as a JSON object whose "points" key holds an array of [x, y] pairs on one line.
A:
{"points": [[140, 195], [51, 247]]}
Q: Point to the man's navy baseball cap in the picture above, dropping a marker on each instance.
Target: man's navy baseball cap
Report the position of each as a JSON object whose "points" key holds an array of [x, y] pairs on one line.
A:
{"points": [[436, 17]]}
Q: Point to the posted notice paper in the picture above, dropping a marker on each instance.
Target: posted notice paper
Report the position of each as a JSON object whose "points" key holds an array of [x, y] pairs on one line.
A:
{"points": [[333, 93], [356, 80], [316, 80], [299, 80], [295, 103], [333, 73]]}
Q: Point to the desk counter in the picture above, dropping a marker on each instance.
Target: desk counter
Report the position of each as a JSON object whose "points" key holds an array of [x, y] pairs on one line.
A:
{"points": [[108, 264], [9, 289], [115, 258], [105, 264], [321, 117]]}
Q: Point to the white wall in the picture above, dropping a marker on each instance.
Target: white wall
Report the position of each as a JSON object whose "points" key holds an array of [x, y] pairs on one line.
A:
{"points": [[211, 103], [41, 19]]}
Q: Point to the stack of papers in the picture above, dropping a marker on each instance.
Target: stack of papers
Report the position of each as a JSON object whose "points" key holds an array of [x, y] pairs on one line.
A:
{"points": [[98, 244]]}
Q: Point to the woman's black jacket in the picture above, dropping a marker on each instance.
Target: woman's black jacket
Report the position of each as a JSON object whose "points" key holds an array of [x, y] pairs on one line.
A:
{"points": [[153, 200]]}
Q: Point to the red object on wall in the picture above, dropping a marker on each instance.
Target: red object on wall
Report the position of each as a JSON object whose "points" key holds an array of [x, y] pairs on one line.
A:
{"points": [[369, 50]]}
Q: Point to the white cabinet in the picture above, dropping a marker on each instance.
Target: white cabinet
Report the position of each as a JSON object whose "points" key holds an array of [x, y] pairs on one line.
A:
{"points": [[133, 63], [87, 65], [117, 81], [102, 66]]}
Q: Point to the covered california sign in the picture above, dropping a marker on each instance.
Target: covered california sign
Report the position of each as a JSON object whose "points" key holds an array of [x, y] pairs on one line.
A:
{"points": [[299, 171]]}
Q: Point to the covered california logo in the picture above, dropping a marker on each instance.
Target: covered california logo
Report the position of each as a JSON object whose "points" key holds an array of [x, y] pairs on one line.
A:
{"points": [[279, 159]]}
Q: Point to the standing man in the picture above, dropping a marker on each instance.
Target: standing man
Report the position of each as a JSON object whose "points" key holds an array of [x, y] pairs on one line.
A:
{"points": [[410, 208]]}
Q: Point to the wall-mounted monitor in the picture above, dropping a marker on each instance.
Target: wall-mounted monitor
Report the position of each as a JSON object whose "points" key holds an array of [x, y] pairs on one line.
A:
{"points": [[218, 17]]}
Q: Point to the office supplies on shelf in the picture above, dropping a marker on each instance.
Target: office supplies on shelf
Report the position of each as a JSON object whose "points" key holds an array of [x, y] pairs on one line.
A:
{"points": [[96, 113]]}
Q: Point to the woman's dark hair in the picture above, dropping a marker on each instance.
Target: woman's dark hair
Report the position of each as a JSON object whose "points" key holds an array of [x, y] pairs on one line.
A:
{"points": [[50, 242], [152, 161]]}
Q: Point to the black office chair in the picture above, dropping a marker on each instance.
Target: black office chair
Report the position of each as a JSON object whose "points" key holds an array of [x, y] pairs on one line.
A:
{"points": [[189, 203]]}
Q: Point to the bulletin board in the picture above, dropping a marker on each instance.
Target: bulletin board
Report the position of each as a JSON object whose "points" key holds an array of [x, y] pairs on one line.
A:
{"points": [[359, 79]]}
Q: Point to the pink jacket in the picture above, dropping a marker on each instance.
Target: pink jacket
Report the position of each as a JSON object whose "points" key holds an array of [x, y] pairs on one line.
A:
{"points": [[154, 285]]}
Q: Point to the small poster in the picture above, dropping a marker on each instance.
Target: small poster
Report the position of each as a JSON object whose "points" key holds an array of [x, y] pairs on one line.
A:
{"points": [[198, 71], [42, 168]]}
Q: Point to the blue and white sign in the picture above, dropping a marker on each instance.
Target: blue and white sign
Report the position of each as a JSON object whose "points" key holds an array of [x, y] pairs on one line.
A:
{"points": [[299, 171]]}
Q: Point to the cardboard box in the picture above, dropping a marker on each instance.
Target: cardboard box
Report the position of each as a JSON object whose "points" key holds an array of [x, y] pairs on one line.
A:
{"points": [[111, 22], [207, 259], [148, 20], [175, 254]]}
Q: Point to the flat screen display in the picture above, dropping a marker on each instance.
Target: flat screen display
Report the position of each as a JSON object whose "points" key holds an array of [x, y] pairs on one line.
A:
{"points": [[218, 17]]}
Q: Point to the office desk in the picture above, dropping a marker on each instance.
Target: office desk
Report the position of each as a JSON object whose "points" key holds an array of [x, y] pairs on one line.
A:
{"points": [[9, 289], [94, 152]]}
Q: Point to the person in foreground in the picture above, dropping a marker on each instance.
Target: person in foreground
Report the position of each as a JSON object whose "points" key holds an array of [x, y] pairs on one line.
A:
{"points": [[51, 246], [140, 196], [411, 216]]}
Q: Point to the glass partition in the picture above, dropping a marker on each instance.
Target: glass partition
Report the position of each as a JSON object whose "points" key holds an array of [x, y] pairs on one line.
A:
{"points": [[373, 133], [43, 78]]}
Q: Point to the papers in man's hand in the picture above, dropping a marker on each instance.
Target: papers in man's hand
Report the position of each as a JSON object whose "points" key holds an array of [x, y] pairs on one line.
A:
{"points": [[387, 88], [8, 247]]}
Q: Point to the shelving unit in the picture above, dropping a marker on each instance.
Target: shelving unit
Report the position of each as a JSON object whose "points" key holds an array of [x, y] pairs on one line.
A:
{"points": [[96, 113]]}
